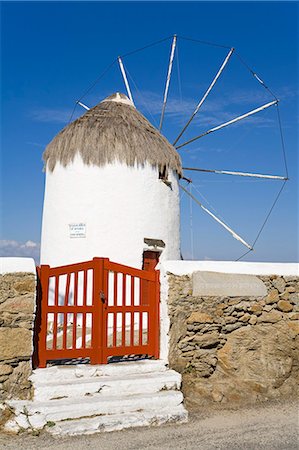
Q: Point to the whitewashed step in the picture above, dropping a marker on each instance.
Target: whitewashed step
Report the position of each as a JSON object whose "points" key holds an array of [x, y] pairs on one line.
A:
{"points": [[143, 383], [118, 422], [39, 413], [68, 373]]}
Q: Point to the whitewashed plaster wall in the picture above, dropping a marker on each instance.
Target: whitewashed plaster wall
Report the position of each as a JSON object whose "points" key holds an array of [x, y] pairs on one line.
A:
{"points": [[120, 206], [15, 264]]}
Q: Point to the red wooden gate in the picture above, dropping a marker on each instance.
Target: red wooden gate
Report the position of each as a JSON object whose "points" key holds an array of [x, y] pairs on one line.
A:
{"points": [[96, 309]]}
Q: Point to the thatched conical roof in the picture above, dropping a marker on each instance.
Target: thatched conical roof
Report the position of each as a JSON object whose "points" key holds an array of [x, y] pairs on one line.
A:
{"points": [[112, 131]]}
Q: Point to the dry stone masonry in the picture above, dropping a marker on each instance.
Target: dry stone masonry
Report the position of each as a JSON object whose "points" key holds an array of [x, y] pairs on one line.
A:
{"points": [[17, 304], [235, 349]]}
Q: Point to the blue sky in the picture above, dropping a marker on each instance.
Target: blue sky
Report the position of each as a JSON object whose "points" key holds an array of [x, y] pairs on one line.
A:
{"points": [[52, 52]]}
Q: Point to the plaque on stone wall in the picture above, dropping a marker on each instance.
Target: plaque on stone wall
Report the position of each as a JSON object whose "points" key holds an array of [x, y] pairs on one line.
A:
{"points": [[227, 284]]}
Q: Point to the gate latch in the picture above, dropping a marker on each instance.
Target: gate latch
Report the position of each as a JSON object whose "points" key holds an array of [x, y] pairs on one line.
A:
{"points": [[102, 297]]}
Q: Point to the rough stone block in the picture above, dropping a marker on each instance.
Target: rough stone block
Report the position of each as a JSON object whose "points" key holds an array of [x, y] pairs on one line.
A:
{"points": [[5, 369], [25, 285], [270, 317], [245, 318], [15, 343], [224, 284], [294, 298], [256, 309], [272, 297], [294, 316], [294, 327], [290, 278], [199, 317], [18, 384], [207, 340], [232, 327], [23, 304], [253, 320], [279, 284], [284, 306]]}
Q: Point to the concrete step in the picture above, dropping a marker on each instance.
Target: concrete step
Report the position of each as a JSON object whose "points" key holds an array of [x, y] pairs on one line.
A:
{"points": [[88, 399], [118, 422], [37, 414], [68, 373], [104, 386]]}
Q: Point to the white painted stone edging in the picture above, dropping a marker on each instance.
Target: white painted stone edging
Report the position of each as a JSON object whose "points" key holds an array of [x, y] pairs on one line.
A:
{"points": [[237, 267], [11, 265]]}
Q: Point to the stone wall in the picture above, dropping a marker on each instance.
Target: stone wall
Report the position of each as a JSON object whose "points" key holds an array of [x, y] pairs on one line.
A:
{"points": [[17, 305], [235, 349]]}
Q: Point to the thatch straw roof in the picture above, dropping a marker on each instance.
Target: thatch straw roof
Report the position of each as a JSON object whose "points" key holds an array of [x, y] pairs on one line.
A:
{"points": [[112, 131]]}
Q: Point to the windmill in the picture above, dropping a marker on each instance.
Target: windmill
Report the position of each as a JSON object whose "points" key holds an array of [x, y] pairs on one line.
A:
{"points": [[181, 143]]}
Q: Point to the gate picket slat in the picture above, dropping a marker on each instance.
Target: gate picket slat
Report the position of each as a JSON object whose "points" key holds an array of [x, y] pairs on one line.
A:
{"points": [[56, 290], [74, 327], [140, 328], [115, 302], [85, 288], [76, 289], [56, 313], [132, 330], [74, 336], [124, 290], [83, 331], [64, 340], [123, 314], [67, 290], [115, 291], [114, 329], [123, 329], [54, 341], [83, 340], [132, 291]]}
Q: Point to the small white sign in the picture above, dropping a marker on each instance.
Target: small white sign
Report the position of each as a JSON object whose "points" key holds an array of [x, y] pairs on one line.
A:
{"points": [[77, 230]]}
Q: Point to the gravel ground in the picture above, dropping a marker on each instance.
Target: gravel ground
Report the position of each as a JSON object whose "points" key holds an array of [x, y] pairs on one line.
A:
{"points": [[272, 426]]}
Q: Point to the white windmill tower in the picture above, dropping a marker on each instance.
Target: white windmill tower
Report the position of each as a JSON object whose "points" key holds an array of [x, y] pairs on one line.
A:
{"points": [[111, 189]]}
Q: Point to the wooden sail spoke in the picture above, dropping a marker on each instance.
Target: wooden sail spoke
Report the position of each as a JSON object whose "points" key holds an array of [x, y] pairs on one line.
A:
{"points": [[205, 95], [242, 174], [123, 72], [236, 119], [168, 80], [230, 230], [83, 105]]}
